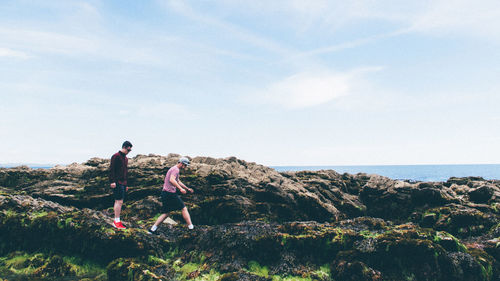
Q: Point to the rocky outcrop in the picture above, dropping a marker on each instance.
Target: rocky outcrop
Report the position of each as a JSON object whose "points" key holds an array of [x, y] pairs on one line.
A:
{"points": [[252, 223]]}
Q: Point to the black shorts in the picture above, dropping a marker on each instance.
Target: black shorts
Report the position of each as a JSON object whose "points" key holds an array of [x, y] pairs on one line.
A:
{"points": [[171, 202], [120, 192]]}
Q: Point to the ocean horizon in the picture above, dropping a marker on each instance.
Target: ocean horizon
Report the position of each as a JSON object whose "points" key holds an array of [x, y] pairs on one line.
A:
{"points": [[437, 173]]}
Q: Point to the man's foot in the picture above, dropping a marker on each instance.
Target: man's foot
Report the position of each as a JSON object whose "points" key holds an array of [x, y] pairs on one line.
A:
{"points": [[119, 225], [190, 226], [153, 232]]}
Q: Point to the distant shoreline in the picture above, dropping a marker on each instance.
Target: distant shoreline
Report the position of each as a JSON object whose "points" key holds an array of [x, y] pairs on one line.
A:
{"points": [[410, 172], [33, 166]]}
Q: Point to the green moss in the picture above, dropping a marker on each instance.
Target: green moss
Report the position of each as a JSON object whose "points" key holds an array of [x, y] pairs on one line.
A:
{"points": [[184, 269], [409, 277], [290, 278], [339, 237], [255, 268], [36, 215], [486, 272], [427, 213], [3, 193], [155, 260], [24, 264], [369, 234], [83, 267], [109, 231], [10, 213], [284, 238], [189, 267], [323, 272], [19, 263], [442, 237], [485, 262], [61, 224], [494, 228], [495, 207], [213, 275], [172, 254]]}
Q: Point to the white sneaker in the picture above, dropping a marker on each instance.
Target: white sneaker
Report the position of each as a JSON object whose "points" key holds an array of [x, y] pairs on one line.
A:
{"points": [[190, 226]]}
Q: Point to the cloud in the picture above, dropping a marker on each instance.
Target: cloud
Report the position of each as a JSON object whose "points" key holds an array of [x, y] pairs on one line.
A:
{"points": [[50, 42], [183, 8], [328, 15], [464, 18], [309, 89], [6, 52], [347, 45], [460, 17]]}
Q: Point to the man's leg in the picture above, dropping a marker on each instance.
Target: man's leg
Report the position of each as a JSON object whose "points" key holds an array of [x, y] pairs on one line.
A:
{"points": [[119, 194], [160, 219], [118, 209], [187, 217]]}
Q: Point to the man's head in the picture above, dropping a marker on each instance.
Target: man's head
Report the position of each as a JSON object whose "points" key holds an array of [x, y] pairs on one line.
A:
{"points": [[126, 147], [184, 162]]}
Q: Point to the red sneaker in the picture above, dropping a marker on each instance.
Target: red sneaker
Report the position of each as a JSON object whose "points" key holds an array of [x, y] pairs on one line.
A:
{"points": [[119, 225]]}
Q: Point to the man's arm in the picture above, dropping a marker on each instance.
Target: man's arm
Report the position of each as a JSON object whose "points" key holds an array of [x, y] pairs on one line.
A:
{"points": [[185, 187], [112, 171], [176, 184]]}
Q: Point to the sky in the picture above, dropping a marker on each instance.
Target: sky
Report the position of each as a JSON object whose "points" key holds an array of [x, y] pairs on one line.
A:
{"points": [[293, 82]]}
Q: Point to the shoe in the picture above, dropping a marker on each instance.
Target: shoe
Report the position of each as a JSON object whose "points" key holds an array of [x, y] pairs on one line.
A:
{"points": [[153, 232], [119, 225], [190, 226]]}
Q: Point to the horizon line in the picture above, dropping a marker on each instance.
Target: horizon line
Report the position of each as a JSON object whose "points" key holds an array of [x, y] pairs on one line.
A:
{"points": [[13, 165]]}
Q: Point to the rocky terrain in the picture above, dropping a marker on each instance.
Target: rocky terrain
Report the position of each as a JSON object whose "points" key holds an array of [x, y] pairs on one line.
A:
{"points": [[252, 223]]}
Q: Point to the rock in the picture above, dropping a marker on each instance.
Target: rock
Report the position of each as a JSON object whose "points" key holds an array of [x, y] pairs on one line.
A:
{"points": [[355, 271], [55, 266], [242, 276], [481, 194], [365, 227]]}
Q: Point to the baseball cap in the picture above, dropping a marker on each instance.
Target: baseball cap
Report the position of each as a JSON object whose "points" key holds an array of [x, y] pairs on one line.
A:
{"points": [[184, 161]]}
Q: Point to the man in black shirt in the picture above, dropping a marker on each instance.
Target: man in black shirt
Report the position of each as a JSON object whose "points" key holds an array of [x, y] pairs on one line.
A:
{"points": [[118, 180]]}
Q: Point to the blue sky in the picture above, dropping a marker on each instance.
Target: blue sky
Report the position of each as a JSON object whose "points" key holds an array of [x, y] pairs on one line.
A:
{"points": [[281, 83]]}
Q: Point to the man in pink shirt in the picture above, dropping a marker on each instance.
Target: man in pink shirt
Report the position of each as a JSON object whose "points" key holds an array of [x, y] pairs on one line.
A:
{"points": [[169, 198]]}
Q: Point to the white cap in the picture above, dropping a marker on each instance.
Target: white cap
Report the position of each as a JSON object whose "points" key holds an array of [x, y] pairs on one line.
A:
{"points": [[184, 161]]}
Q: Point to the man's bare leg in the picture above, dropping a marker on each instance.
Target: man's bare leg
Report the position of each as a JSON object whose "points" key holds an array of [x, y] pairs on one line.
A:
{"points": [[187, 217], [160, 219], [118, 208]]}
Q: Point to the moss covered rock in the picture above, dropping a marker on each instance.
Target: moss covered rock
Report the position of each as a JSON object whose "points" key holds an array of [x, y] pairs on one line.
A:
{"points": [[252, 223]]}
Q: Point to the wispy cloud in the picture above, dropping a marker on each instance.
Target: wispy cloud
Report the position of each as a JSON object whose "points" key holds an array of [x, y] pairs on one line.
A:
{"points": [[439, 17], [329, 15], [460, 17], [6, 52], [45, 41], [309, 89], [347, 45], [183, 8]]}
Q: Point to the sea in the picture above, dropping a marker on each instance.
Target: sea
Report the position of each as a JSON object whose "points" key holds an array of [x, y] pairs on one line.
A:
{"points": [[434, 173]]}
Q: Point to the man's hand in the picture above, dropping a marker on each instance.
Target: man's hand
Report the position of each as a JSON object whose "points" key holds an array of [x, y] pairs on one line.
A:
{"points": [[190, 190], [113, 185], [183, 191], [126, 188]]}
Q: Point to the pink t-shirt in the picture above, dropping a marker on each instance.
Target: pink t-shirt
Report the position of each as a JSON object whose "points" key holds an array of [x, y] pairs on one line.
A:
{"points": [[168, 186]]}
